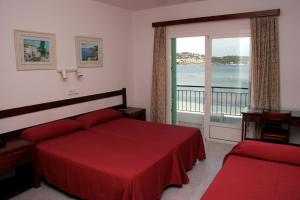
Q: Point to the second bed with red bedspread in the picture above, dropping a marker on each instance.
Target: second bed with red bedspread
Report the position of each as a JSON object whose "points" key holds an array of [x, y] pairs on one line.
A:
{"points": [[258, 171], [119, 159]]}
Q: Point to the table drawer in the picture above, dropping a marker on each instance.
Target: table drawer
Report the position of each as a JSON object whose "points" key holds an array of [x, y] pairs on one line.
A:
{"points": [[252, 118]]}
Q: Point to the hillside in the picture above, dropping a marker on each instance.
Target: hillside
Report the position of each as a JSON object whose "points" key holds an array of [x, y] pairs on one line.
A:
{"points": [[185, 58]]}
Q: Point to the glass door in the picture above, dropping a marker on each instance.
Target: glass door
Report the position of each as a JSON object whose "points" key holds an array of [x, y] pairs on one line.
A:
{"points": [[229, 86], [211, 84], [188, 81]]}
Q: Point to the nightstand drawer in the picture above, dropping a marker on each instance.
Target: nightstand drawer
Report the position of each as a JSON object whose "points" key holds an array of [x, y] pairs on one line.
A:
{"points": [[139, 115], [15, 159], [135, 113], [16, 167]]}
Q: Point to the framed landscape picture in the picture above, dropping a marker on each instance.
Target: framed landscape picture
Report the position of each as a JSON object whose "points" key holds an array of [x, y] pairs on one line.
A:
{"points": [[89, 51], [35, 51]]}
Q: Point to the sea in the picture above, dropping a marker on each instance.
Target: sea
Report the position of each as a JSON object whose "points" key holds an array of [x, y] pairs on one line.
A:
{"points": [[230, 83], [229, 75]]}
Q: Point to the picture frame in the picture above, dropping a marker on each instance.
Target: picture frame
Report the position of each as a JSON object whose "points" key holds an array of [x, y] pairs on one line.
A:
{"points": [[89, 52], [34, 50]]}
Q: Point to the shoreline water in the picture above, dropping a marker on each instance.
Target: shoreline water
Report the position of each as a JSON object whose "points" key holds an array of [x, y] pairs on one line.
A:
{"points": [[231, 75]]}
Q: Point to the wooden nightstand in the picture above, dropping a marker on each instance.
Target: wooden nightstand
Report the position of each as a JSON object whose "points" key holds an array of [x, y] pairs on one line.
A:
{"points": [[16, 168], [135, 113]]}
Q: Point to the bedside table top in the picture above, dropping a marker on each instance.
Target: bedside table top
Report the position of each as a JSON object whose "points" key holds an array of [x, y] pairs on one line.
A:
{"points": [[132, 110], [14, 145]]}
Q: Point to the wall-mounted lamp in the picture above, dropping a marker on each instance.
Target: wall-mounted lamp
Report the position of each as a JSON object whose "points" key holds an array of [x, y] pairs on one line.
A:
{"points": [[78, 73], [64, 73]]}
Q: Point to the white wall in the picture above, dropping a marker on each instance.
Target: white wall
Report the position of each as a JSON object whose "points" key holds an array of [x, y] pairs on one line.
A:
{"points": [[289, 41], [128, 47], [65, 18]]}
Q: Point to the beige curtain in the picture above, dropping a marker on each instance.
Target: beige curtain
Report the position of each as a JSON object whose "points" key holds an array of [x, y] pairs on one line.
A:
{"points": [[159, 74], [265, 71]]}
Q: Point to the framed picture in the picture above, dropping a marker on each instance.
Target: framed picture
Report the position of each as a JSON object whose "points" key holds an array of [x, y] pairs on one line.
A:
{"points": [[35, 51], [89, 51]]}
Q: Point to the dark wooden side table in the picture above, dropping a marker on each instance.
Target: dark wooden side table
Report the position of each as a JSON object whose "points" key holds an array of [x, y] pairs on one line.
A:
{"points": [[255, 115], [135, 113], [16, 168]]}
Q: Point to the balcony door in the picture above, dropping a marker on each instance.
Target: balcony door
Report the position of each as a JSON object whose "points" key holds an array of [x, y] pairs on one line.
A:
{"points": [[188, 80], [210, 84], [229, 86]]}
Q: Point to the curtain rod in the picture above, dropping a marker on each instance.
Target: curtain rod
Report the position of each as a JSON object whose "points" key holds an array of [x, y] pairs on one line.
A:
{"points": [[264, 13]]}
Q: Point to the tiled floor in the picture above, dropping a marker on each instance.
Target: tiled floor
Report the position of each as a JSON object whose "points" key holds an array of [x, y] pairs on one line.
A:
{"points": [[200, 177]]}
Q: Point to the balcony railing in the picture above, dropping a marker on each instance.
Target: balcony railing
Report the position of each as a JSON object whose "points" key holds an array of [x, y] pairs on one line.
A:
{"points": [[225, 100]]}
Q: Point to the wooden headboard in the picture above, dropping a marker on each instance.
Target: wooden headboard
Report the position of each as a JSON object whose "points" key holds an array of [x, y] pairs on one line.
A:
{"points": [[56, 104]]}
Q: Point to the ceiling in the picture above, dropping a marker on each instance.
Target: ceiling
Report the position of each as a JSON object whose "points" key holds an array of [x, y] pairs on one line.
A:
{"points": [[143, 4]]}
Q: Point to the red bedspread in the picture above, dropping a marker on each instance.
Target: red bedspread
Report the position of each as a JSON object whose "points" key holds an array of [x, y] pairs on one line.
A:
{"points": [[102, 164], [258, 171], [187, 141]]}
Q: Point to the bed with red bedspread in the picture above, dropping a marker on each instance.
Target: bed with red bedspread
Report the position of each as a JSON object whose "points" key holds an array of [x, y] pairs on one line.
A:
{"points": [[258, 171], [186, 142], [117, 158]]}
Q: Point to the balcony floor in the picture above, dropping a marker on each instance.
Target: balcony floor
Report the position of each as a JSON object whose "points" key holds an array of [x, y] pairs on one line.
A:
{"points": [[227, 119], [196, 119]]}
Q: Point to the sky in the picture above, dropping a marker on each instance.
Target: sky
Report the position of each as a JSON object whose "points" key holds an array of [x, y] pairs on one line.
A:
{"points": [[220, 46], [36, 43], [89, 45]]}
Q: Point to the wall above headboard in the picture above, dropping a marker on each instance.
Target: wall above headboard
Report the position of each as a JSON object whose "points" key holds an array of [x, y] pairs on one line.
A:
{"points": [[66, 102], [40, 109]]}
